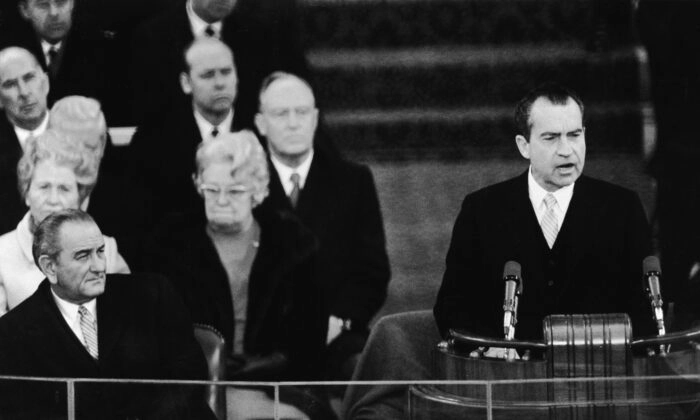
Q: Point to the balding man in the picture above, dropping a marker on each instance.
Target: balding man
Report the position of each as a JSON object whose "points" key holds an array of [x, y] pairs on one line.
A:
{"points": [[23, 93], [163, 149], [263, 35], [338, 201], [70, 50]]}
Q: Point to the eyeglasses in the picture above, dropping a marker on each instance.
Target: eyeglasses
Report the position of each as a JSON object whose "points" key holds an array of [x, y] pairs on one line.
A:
{"points": [[233, 192]]}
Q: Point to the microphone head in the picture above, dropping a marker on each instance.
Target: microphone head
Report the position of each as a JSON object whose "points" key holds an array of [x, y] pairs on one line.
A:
{"points": [[511, 268], [651, 263]]}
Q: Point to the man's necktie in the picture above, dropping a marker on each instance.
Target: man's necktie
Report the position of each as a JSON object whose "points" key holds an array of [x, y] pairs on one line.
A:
{"points": [[53, 60], [88, 326], [209, 31], [549, 224], [214, 132], [294, 195]]}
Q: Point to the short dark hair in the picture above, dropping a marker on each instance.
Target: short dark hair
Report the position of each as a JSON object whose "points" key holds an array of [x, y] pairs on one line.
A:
{"points": [[553, 92], [46, 236]]}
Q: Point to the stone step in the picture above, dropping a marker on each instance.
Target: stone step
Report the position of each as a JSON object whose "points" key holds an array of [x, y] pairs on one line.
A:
{"points": [[458, 133], [467, 76], [401, 23]]}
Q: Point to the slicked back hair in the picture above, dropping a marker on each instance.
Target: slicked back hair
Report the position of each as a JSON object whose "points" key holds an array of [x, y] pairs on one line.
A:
{"points": [[47, 239], [554, 93]]}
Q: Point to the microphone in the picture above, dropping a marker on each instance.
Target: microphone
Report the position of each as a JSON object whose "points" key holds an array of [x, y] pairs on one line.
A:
{"points": [[652, 274], [513, 290]]}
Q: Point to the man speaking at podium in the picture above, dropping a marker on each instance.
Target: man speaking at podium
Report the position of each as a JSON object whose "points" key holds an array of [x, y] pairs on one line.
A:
{"points": [[580, 241]]}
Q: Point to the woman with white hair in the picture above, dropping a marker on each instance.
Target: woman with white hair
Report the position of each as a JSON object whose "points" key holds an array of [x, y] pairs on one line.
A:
{"points": [[54, 173], [244, 271], [110, 203]]}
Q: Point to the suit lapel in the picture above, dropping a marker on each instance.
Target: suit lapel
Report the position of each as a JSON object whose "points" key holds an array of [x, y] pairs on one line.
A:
{"points": [[110, 321], [278, 198], [528, 235], [582, 216], [318, 191], [51, 327]]}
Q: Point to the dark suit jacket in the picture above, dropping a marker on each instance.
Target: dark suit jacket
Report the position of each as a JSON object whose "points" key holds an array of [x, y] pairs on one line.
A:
{"points": [[594, 267], [12, 207], [263, 35], [144, 332], [81, 58], [339, 204], [284, 311]]}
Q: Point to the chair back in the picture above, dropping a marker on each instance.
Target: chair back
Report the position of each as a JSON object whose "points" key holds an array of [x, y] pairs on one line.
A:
{"points": [[213, 344]]}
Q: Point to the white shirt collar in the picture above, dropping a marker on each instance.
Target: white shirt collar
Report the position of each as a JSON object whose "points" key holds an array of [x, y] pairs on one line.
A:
{"points": [[198, 25], [285, 172], [69, 310], [46, 46], [537, 194], [23, 135], [205, 127]]}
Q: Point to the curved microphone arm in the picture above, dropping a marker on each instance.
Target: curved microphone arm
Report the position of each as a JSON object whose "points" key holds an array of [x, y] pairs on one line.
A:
{"points": [[670, 338], [463, 338]]}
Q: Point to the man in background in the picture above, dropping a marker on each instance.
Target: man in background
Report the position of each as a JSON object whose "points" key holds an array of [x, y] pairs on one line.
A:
{"points": [[23, 97], [337, 200]]}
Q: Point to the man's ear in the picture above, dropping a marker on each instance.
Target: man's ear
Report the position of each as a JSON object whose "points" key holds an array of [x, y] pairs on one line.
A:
{"points": [[260, 124], [45, 83], [23, 9], [523, 146], [185, 83], [48, 267]]}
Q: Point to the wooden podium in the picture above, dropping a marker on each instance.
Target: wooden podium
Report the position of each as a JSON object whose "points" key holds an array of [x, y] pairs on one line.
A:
{"points": [[587, 367]]}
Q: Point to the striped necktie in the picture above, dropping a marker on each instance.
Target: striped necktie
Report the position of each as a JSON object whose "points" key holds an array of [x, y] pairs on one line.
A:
{"points": [[88, 325], [296, 189], [550, 226]]}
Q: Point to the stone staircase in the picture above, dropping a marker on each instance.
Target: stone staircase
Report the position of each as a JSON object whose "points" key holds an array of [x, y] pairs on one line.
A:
{"points": [[403, 79]]}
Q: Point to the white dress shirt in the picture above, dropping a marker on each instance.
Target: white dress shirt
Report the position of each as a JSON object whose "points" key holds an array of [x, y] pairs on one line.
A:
{"points": [[23, 135], [199, 26], [69, 310], [537, 194], [46, 47], [206, 128], [285, 172], [19, 275]]}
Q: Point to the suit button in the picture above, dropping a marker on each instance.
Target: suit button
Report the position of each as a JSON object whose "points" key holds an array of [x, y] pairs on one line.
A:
{"points": [[550, 283], [552, 263]]}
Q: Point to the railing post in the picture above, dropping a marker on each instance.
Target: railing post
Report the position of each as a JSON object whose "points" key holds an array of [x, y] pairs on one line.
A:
{"points": [[277, 402], [489, 401], [70, 397]]}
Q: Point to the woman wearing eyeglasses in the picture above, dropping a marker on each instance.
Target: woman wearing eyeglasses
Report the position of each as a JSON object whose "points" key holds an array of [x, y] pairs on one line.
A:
{"points": [[244, 271]]}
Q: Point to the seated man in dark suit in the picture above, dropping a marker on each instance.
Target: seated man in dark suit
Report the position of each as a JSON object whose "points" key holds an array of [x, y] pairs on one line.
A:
{"points": [[263, 35], [580, 241], [86, 324], [23, 90], [338, 201], [70, 50], [163, 149]]}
